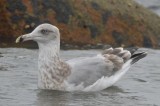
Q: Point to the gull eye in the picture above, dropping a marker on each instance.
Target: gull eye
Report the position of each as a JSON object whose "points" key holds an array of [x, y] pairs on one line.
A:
{"points": [[44, 31]]}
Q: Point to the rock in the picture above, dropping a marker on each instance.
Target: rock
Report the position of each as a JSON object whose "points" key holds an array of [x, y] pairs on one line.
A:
{"points": [[27, 26], [83, 22]]}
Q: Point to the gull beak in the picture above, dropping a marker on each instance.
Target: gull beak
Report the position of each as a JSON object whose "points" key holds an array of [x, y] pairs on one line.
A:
{"points": [[19, 39], [23, 38]]}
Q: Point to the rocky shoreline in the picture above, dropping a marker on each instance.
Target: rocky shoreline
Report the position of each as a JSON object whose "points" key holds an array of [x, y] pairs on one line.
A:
{"points": [[33, 45], [83, 24]]}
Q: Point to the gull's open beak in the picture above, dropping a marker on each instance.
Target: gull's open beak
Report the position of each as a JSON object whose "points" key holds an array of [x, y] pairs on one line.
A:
{"points": [[23, 38]]}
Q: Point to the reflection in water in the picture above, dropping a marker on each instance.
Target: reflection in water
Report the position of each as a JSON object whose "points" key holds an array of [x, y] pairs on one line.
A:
{"points": [[60, 98], [114, 89], [51, 98]]}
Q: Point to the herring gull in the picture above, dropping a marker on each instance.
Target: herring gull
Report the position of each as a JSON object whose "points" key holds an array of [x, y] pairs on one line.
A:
{"points": [[80, 74]]}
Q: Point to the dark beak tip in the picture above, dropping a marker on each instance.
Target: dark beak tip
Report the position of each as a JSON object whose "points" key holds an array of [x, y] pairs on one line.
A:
{"points": [[19, 39]]}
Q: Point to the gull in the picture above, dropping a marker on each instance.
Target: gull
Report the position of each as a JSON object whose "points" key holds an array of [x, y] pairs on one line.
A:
{"points": [[86, 74]]}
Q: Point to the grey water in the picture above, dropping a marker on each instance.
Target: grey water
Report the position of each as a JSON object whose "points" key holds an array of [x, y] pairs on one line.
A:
{"points": [[140, 86], [153, 5]]}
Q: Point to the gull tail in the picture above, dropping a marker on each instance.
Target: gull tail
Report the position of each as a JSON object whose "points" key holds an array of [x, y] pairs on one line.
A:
{"points": [[138, 56]]}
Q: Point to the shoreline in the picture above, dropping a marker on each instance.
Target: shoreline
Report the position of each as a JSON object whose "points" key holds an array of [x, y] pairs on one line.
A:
{"points": [[64, 46]]}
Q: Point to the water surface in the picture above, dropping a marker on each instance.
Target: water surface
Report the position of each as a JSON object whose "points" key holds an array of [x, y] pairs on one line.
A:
{"points": [[18, 82], [153, 5]]}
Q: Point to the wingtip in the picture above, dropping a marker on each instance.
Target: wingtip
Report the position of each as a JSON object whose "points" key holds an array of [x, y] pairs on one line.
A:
{"points": [[138, 56]]}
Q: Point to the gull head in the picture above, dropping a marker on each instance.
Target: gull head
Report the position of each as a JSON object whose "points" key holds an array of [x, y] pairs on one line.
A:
{"points": [[43, 33]]}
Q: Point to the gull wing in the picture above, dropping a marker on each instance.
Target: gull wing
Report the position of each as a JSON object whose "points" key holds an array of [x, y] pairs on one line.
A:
{"points": [[87, 70]]}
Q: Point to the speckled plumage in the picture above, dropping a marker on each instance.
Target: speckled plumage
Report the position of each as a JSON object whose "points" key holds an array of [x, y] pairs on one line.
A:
{"points": [[52, 70], [83, 74]]}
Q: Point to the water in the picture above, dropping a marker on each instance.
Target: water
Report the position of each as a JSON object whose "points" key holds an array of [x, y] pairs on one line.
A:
{"points": [[18, 82], [153, 5]]}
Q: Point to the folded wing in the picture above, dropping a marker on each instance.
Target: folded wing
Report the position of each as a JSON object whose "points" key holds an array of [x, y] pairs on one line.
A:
{"points": [[88, 70]]}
